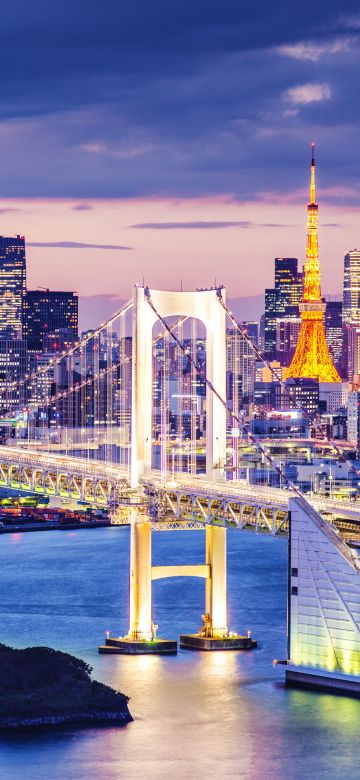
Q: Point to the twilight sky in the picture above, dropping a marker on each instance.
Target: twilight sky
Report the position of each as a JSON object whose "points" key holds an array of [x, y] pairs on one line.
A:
{"points": [[170, 140]]}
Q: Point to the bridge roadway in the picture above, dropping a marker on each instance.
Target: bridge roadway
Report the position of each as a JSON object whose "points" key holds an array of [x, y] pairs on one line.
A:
{"points": [[59, 475], [187, 497], [267, 495]]}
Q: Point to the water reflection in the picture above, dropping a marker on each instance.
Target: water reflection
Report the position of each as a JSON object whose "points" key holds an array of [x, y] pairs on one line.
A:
{"points": [[218, 715]]}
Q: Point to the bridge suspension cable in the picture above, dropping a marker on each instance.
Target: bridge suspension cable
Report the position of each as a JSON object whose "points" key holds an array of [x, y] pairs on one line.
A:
{"points": [[41, 370], [318, 428], [255, 441]]}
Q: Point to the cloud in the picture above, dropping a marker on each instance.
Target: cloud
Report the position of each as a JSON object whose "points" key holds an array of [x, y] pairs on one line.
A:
{"points": [[93, 148], [126, 152], [10, 210], [175, 99], [352, 22], [308, 93], [314, 50], [202, 225], [82, 207], [331, 225], [75, 245]]}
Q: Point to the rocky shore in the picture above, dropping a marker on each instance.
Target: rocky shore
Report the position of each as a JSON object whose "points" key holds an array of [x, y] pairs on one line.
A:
{"points": [[41, 687]]}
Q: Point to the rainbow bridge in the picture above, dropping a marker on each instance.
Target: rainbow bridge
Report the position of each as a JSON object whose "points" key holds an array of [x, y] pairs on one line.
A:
{"points": [[104, 427]]}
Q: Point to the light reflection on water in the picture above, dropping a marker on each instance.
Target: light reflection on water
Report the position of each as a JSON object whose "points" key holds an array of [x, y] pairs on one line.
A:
{"points": [[196, 715]]}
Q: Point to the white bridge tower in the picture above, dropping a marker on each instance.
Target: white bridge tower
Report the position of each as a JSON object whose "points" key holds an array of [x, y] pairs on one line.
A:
{"points": [[204, 306]]}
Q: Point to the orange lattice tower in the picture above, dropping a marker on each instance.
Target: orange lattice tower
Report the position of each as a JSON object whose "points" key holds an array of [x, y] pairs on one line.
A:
{"points": [[312, 358]]}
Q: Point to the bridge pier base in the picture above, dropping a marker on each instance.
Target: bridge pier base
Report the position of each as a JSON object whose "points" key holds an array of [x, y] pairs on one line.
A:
{"points": [[214, 633], [141, 637]]}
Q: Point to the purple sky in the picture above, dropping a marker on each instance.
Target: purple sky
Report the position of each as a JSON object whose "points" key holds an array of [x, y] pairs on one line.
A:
{"points": [[171, 140]]}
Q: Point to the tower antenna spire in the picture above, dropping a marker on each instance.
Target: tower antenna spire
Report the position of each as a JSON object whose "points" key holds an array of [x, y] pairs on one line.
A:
{"points": [[312, 179]]}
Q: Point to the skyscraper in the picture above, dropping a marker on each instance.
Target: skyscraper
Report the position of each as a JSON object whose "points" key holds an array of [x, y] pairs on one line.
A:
{"points": [[282, 300], [49, 313], [312, 358], [287, 287], [270, 323], [12, 369], [12, 285], [351, 288], [240, 366], [287, 334], [334, 332]]}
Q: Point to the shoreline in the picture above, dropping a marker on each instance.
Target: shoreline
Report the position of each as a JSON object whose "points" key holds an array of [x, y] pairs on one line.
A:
{"points": [[42, 688], [50, 526], [79, 718]]}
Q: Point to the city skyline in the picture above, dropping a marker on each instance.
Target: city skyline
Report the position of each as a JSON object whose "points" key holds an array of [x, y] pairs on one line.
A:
{"points": [[65, 245]]}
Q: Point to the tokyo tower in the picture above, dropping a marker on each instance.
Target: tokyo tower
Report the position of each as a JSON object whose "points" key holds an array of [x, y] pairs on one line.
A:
{"points": [[312, 358]]}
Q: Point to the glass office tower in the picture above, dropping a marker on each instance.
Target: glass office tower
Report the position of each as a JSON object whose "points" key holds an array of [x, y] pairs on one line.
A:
{"points": [[12, 285]]}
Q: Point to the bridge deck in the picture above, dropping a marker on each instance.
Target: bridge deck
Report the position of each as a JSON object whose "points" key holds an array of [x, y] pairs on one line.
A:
{"points": [[184, 484]]}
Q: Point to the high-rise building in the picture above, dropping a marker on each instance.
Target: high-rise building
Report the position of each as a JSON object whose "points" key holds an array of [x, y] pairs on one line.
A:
{"points": [[287, 334], [252, 330], [12, 285], [261, 343], [287, 287], [334, 332], [49, 312], [282, 300], [270, 323], [312, 358], [353, 418], [240, 367], [351, 288], [13, 363], [352, 340]]}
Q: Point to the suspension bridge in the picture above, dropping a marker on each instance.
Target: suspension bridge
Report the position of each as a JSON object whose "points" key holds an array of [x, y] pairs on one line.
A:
{"points": [[137, 417]]}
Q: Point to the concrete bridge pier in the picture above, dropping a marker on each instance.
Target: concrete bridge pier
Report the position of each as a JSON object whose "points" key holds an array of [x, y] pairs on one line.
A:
{"points": [[141, 626], [214, 633], [141, 638], [216, 595]]}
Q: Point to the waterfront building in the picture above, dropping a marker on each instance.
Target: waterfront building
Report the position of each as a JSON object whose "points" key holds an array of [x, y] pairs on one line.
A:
{"points": [[351, 288], [312, 358], [12, 286], [46, 312]]}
